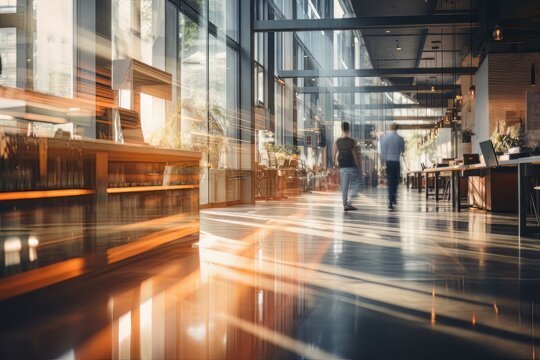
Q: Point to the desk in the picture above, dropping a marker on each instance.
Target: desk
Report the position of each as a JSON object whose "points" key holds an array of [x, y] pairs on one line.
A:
{"points": [[526, 168], [455, 191], [417, 174]]}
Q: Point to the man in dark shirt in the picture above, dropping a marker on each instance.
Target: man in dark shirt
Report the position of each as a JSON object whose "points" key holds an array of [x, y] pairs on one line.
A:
{"points": [[348, 159]]}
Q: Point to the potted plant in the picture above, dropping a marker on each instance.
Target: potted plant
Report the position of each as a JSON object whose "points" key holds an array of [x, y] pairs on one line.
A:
{"points": [[466, 141], [508, 136]]}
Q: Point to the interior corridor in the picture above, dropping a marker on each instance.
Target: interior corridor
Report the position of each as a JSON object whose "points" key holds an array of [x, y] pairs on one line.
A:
{"points": [[301, 279]]}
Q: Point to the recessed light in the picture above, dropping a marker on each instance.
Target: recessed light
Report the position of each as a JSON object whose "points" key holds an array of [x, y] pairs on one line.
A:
{"points": [[388, 31]]}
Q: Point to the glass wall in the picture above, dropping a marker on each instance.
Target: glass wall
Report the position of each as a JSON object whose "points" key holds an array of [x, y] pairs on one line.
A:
{"points": [[54, 47], [8, 53], [38, 58], [147, 72], [8, 6]]}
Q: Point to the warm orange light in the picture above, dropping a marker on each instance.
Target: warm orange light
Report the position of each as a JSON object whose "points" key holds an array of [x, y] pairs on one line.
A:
{"points": [[473, 320], [20, 195], [149, 242], [498, 33], [472, 92], [132, 189], [41, 277]]}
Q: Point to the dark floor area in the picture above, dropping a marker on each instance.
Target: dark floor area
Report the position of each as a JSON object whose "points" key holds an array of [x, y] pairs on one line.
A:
{"points": [[300, 279]]}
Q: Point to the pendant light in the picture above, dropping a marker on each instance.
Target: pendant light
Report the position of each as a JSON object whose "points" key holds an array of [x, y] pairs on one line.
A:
{"points": [[497, 33], [472, 92], [533, 75], [398, 48]]}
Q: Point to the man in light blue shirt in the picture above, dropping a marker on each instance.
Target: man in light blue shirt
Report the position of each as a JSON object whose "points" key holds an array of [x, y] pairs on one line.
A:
{"points": [[392, 147]]}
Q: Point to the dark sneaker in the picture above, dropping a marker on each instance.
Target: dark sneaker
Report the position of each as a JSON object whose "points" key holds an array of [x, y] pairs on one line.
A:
{"points": [[391, 207], [349, 207]]}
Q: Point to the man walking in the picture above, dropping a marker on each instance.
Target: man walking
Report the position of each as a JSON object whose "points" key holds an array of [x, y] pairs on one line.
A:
{"points": [[348, 159], [392, 147]]}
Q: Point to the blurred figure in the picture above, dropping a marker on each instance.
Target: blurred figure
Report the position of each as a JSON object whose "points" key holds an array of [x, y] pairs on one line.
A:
{"points": [[348, 159], [392, 147]]}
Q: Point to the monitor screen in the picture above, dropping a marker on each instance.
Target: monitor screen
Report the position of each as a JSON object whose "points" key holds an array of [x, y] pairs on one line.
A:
{"points": [[490, 158]]}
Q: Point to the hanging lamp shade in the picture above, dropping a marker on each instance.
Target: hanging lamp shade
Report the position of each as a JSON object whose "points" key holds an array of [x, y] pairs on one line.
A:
{"points": [[472, 92], [498, 33]]}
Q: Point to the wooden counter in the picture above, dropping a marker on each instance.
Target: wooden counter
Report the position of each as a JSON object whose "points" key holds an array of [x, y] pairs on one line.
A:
{"points": [[75, 207], [94, 167]]}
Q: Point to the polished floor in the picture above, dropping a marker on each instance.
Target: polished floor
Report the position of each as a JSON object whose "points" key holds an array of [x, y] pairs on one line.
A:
{"points": [[299, 279]]}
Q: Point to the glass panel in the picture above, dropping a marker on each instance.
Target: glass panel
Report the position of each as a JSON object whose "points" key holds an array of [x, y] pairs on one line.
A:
{"points": [[121, 30], [217, 96], [306, 9], [153, 33], [54, 47], [8, 55], [224, 14], [139, 32], [193, 94], [198, 5], [223, 121], [8, 6]]}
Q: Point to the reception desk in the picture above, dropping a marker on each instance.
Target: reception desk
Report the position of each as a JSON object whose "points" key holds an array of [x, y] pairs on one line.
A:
{"points": [[69, 208]]}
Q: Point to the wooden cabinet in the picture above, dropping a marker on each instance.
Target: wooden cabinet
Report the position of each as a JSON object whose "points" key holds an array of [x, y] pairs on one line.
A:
{"points": [[496, 191]]}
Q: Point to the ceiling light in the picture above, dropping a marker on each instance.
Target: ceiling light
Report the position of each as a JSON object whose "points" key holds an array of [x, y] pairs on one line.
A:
{"points": [[398, 48], [497, 33], [432, 88], [388, 31]]}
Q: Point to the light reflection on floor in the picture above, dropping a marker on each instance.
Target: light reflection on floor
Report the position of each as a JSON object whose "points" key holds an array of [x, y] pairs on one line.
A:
{"points": [[301, 279]]}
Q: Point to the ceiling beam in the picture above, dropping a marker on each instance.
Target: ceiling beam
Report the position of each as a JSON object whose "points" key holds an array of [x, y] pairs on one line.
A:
{"points": [[375, 89], [399, 118], [432, 6], [363, 23], [389, 72], [393, 35], [387, 106]]}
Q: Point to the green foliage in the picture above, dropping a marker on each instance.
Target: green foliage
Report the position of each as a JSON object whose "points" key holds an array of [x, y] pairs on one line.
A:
{"points": [[169, 136], [466, 136], [208, 124], [508, 136], [416, 146]]}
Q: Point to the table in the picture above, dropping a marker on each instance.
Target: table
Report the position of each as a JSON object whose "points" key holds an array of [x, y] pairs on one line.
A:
{"points": [[526, 168], [418, 175], [455, 176]]}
